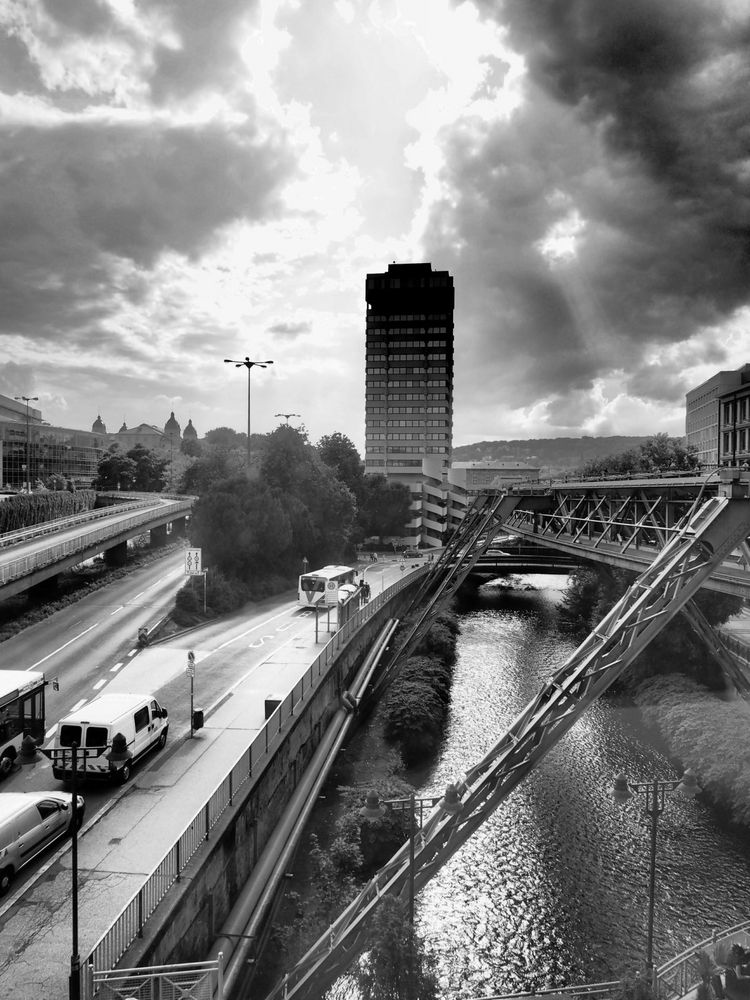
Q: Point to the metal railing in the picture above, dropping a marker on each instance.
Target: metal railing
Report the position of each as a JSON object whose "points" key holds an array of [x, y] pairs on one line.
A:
{"points": [[189, 981], [129, 925], [8, 538], [682, 974], [15, 569]]}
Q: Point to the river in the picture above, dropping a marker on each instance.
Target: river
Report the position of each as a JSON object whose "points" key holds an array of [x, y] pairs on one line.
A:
{"points": [[553, 888]]}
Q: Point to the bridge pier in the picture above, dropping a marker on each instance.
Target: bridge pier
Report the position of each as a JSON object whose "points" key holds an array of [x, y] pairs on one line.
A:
{"points": [[158, 536], [179, 527], [117, 555]]}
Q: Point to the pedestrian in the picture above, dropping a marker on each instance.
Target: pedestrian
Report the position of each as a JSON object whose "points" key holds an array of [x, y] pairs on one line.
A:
{"points": [[366, 591]]}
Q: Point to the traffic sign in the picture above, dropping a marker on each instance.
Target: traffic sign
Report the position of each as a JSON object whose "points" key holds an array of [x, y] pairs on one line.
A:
{"points": [[193, 562], [332, 591]]}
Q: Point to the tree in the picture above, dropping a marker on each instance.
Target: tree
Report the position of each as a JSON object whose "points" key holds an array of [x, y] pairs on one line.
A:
{"points": [[191, 448], [397, 966], [215, 465], [115, 472], [660, 453], [339, 453], [149, 469], [227, 438], [384, 507]]}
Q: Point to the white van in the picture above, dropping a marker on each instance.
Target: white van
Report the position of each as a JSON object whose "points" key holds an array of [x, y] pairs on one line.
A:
{"points": [[115, 730], [29, 822]]}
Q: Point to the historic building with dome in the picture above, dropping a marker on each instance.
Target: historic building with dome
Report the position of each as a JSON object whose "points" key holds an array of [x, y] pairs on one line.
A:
{"points": [[32, 451]]}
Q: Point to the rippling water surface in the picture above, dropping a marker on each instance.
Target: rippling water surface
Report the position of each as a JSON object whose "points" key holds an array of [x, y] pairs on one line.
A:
{"points": [[552, 889]]}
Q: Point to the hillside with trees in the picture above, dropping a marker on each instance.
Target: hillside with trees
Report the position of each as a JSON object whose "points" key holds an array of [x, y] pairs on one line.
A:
{"points": [[555, 456]]}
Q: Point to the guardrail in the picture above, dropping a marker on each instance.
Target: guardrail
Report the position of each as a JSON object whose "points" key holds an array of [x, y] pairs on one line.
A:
{"points": [[61, 523], [18, 568], [130, 923], [681, 974]]}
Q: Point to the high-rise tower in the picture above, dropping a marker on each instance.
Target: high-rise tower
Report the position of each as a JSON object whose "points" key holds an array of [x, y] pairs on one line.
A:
{"points": [[409, 370]]}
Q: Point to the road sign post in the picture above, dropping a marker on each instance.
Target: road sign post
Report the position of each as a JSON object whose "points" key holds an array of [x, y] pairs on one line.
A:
{"points": [[191, 674]]}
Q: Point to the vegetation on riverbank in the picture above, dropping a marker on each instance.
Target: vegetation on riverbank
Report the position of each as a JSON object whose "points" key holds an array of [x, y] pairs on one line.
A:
{"points": [[418, 700], [675, 683], [706, 733], [351, 842], [593, 590]]}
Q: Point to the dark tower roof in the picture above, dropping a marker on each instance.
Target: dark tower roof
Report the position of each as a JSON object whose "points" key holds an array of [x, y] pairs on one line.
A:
{"points": [[171, 426], [190, 431], [98, 426], [123, 428]]}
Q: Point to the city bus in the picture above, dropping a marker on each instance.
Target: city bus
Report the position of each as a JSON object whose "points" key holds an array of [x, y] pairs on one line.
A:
{"points": [[21, 712], [312, 586]]}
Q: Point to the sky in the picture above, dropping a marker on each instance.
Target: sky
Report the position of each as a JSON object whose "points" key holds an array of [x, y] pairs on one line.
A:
{"points": [[184, 181]]}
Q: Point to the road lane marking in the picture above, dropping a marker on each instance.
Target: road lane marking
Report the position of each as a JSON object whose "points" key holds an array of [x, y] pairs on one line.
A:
{"points": [[113, 670], [132, 652], [253, 629], [100, 683], [116, 610], [79, 704], [60, 648], [138, 595]]}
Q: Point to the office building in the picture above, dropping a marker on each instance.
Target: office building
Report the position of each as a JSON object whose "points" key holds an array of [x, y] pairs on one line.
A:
{"points": [[703, 414], [408, 371]]}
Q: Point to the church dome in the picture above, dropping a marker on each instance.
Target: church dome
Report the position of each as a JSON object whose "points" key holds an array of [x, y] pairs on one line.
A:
{"points": [[172, 427], [123, 428], [98, 426], [190, 432]]}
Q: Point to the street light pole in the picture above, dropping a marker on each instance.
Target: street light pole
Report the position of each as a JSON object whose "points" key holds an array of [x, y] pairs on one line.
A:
{"points": [[247, 363], [654, 793], [27, 400], [287, 415]]}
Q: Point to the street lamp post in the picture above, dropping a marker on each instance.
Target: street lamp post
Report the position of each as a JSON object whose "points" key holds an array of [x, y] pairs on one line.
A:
{"points": [[27, 400], [60, 757], [247, 363], [654, 793], [287, 415]]}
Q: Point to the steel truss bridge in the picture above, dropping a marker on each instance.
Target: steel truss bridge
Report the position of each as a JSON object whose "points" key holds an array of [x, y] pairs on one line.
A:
{"points": [[678, 534]]}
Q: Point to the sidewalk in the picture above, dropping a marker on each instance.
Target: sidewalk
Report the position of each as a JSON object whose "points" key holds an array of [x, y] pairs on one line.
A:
{"points": [[118, 849]]}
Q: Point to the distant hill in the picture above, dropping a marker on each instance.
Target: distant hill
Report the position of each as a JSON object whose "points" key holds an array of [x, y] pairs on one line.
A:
{"points": [[552, 455]]}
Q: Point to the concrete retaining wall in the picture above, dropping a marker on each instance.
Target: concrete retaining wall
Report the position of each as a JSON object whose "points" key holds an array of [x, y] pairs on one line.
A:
{"points": [[187, 922]]}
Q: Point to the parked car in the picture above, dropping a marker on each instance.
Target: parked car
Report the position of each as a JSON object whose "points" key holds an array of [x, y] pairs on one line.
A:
{"points": [[124, 727], [30, 822]]}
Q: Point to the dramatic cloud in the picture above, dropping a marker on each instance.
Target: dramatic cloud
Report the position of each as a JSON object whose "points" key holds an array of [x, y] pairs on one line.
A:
{"points": [[183, 181], [609, 215]]}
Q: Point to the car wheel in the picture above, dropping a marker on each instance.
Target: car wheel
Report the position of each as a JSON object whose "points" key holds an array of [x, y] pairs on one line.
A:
{"points": [[6, 766], [124, 773], [162, 741], [6, 877]]}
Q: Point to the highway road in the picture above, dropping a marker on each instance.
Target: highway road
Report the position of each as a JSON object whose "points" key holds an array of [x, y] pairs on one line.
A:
{"points": [[89, 647], [87, 643]]}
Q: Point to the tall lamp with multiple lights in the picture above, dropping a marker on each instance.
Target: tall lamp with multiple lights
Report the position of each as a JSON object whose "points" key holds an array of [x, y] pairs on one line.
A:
{"points": [[27, 400], [654, 793], [247, 363], [286, 415]]}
